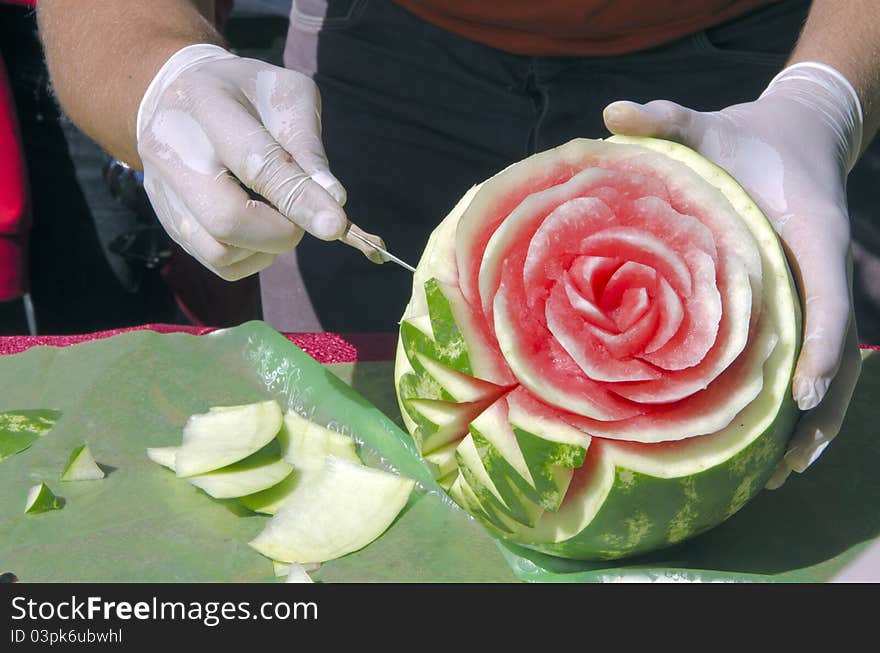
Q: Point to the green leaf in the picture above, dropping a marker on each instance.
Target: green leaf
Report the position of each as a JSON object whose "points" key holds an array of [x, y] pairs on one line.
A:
{"points": [[19, 429]]}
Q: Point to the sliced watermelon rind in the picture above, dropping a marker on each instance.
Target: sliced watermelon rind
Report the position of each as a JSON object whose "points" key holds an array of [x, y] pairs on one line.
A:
{"points": [[643, 513], [518, 495]]}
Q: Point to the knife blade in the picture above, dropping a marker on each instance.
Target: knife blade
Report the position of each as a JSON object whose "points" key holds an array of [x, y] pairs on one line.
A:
{"points": [[353, 231]]}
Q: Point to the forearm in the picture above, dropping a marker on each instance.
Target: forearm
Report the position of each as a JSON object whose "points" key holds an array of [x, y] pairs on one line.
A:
{"points": [[846, 35], [103, 54]]}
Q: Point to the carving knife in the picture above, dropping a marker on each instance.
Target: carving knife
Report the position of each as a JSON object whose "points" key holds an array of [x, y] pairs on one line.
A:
{"points": [[355, 233]]}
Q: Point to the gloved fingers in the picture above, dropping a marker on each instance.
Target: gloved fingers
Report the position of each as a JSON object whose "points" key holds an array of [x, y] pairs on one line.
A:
{"points": [[233, 218], [219, 204], [778, 478], [289, 105], [256, 262], [215, 254], [227, 261], [817, 428], [658, 118], [248, 150], [821, 266]]}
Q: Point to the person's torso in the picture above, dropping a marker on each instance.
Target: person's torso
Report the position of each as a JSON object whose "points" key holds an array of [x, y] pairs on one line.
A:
{"points": [[577, 27]]}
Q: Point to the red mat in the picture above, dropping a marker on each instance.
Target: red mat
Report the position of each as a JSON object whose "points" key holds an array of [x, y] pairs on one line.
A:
{"points": [[323, 347]]}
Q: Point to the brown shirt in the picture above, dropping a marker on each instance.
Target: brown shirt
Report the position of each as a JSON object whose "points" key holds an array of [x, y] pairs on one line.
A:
{"points": [[577, 27]]}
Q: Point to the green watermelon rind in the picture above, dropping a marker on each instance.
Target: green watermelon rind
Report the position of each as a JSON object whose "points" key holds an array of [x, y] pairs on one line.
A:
{"points": [[642, 512]]}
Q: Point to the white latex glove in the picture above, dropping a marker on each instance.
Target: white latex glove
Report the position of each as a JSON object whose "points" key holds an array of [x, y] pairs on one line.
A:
{"points": [[210, 120], [791, 149]]}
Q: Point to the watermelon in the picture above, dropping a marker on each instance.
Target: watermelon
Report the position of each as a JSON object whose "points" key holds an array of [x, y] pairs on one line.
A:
{"points": [[597, 355]]}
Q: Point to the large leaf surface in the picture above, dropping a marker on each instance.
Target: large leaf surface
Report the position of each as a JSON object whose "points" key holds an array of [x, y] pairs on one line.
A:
{"points": [[141, 523]]}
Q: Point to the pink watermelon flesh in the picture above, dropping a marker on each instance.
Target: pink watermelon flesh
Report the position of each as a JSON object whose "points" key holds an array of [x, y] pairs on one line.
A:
{"points": [[615, 290]]}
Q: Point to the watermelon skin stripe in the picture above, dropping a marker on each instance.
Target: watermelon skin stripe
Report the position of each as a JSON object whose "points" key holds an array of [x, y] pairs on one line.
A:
{"points": [[643, 513], [520, 499], [462, 493], [639, 512], [516, 490], [447, 345], [544, 461]]}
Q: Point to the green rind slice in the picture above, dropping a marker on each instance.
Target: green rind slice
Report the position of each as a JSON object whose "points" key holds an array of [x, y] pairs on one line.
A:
{"points": [[642, 513], [342, 509], [164, 456], [437, 402], [542, 453], [306, 444], [439, 364], [549, 467], [414, 343], [81, 466], [540, 472], [470, 465], [507, 498], [535, 465], [420, 386], [297, 574], [441, 422], [427, 435], [447, 480], [459, 386], [451, 345], [270, 500], [443, 460], [462, 493], [41, 499], [444, 342], [516, 493], [493, 428], [440, 314], [481, 502], [255, 473], [406, 384], [259, 472], [219, 438], [280, 568]]}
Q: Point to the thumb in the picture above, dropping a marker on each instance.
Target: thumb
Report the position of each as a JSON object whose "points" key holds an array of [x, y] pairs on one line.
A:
{"points": [[659, 119]]}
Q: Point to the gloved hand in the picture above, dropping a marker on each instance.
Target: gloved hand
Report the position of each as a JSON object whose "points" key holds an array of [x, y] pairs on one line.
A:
{"points": [[791, 149], [210, 120]]}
